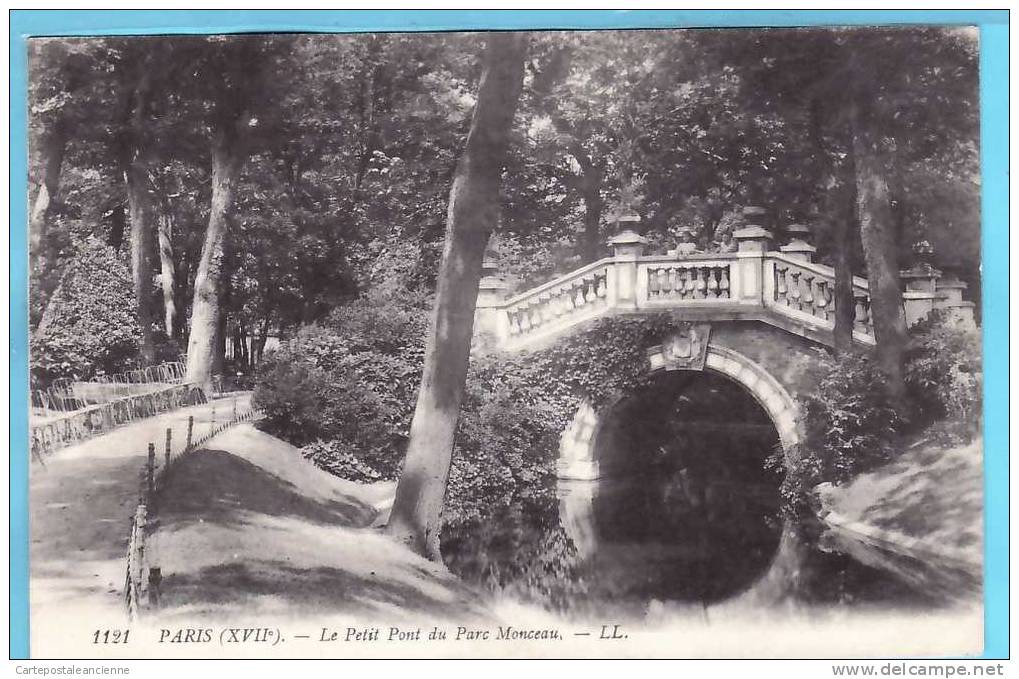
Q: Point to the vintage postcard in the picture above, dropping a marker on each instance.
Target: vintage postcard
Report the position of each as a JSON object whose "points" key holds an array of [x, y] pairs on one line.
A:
{"points": [[506, 343]]}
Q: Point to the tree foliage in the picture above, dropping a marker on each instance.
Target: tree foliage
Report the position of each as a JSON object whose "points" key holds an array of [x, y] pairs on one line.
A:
{"points": [[89, 327]]}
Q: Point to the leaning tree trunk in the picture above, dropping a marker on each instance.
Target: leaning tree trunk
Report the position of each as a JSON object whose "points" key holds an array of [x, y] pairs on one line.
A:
{"points": [[472, 214], [167, 274], [203, 342], [879, 251]]}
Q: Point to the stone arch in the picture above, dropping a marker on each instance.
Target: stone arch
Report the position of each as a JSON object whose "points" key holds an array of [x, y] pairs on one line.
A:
{"points": [[577, 443]]}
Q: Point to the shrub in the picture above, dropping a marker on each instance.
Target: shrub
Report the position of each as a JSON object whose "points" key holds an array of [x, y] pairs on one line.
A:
{"points": [[89, 325], [944, 375], [336, 459], [851, 426], [346, 387]]}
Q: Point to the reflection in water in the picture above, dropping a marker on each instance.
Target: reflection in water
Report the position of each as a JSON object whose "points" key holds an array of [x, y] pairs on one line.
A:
{"points": [[689, 512], [686, 512]]}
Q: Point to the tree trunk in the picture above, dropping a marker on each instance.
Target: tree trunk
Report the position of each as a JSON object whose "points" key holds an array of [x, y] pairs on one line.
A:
{"points": [[140, 215], [880, 254], [845, 309], [472, 214], [843, 212], [589, 183], [593, 207], [204, 339], [139, 204], [263, 337], [118, 222], [167, 274]]}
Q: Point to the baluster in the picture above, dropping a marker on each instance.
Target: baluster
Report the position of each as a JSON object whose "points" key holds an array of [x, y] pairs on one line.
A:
{"points": [[781, 289], [699, 284], [822, 300], [712, 283], [808, 295], [653, 287], [559, 303], [536, 314], [602, 290], [514, 322], [665, 280], [592, 296], [525, 318], [675, 281], [723, 282], [860, 316], [567, 299], [794, 290], [578, 297]]}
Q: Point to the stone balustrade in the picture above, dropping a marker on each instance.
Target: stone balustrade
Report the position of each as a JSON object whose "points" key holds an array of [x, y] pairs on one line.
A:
{"points": [[576, 297], [805, 291], [784, 288]]}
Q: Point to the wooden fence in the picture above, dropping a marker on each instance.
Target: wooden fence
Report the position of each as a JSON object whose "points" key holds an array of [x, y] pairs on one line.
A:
{"points": [[54, 433], [143, 575]]}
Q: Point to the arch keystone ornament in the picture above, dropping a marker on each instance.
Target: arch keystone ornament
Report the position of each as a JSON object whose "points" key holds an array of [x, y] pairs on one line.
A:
{"points": [[686, 349]]}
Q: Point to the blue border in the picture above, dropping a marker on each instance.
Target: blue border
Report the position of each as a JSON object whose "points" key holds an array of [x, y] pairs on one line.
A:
{"points": [[994, 132], [994, 148]]}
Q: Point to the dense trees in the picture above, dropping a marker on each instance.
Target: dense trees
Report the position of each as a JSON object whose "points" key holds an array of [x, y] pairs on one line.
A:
{"points": [[253, 185]]}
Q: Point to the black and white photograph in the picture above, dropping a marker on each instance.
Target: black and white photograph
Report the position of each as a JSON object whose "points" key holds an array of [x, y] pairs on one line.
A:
{"points": [[506, 344]]}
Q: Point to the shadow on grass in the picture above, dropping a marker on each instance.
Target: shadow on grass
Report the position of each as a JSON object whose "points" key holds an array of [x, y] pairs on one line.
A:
{"points": [[216, 486], [319, 590]]}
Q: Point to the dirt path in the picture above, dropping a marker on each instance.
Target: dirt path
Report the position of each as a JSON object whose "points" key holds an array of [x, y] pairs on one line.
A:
{"points": [[80, 508]]}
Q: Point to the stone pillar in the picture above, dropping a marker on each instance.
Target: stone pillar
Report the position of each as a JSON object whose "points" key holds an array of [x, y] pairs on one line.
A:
{"points": [[576, 446], [753, 241], [799, 247], [920, 296], [627, 246], [949, 297], [488, 310], [576, 510]]}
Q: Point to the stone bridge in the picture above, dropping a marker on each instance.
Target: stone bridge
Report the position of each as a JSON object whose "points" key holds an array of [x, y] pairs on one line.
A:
{"points": [[757, 315]]}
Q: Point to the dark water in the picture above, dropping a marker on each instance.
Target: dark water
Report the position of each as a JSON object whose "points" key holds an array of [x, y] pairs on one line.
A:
{"points": [[688, 512]]}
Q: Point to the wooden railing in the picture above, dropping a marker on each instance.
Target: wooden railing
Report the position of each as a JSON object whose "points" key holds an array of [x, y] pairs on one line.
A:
{"points": [[143, 574], [51, 433]]}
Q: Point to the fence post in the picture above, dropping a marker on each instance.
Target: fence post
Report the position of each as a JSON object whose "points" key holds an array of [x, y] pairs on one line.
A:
{"points": [[191, 426], [140, 528], [155, 578], [234, 401], [169, 436], [212, 421], [150, 473]]}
